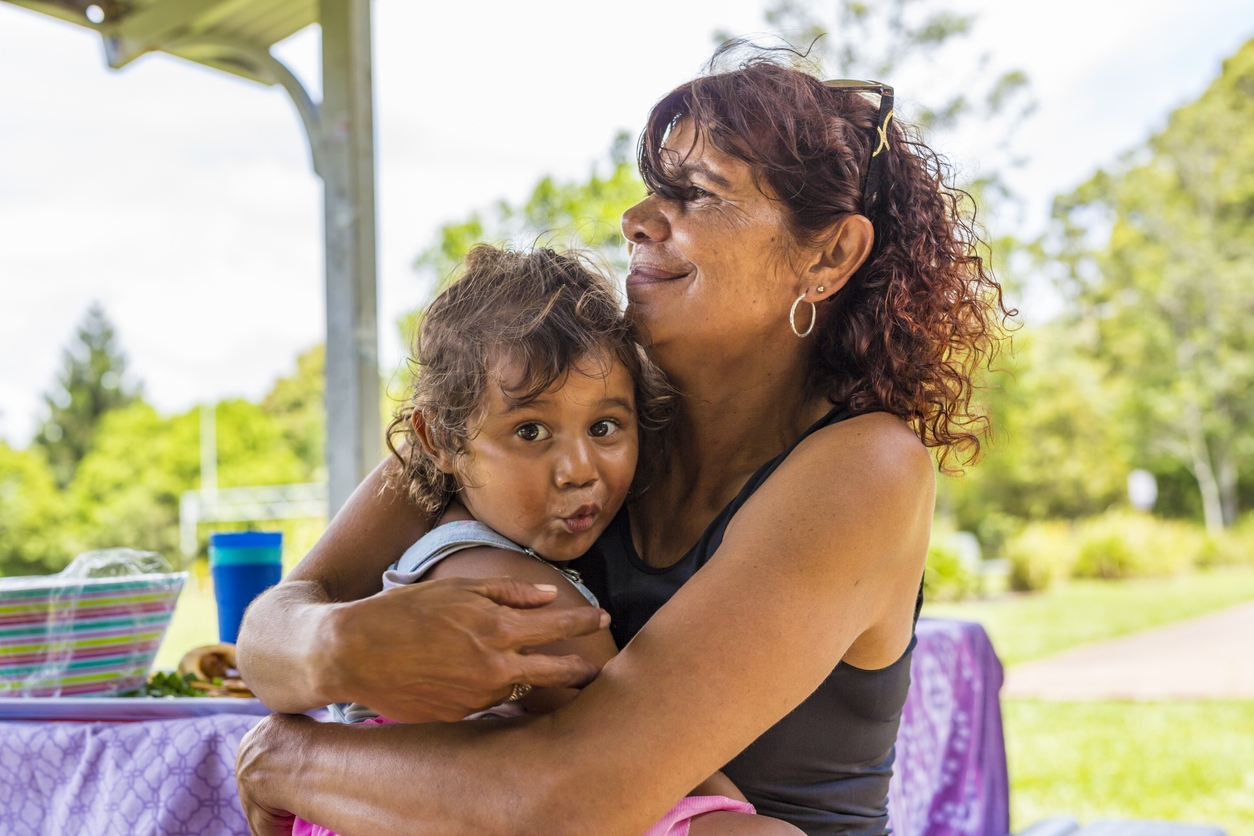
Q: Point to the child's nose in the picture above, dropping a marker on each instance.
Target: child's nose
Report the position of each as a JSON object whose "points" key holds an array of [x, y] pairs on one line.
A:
{"points": [[576, 467]]}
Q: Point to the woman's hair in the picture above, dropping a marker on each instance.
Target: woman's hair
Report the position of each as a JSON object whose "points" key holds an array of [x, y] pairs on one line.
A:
{"points": [[545, 311], [923, 313]]}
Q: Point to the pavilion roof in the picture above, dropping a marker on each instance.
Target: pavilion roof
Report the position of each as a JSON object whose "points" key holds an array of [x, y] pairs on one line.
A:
{"points": [[209, 32]]}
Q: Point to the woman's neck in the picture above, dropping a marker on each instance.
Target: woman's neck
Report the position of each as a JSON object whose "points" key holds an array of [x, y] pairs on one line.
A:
{"points": [[731, 420], [743, 409]]}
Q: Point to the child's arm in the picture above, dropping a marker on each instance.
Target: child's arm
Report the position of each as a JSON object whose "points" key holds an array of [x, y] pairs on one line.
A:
{"points": [[487, 562]]}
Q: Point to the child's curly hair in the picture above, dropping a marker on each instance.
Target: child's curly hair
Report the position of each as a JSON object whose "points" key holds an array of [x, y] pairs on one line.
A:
{"points": [[543, 309]]}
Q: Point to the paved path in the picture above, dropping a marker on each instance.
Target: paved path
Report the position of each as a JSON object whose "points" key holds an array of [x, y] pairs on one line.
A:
{"points": [[1209, 657]]}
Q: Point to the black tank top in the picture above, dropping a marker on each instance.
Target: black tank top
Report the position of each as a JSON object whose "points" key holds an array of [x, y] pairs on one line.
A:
{"points": [[825, 767]]}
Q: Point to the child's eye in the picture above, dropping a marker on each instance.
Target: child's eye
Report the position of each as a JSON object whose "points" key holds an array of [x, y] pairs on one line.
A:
{"points": [[533, 432], [604, 429]]}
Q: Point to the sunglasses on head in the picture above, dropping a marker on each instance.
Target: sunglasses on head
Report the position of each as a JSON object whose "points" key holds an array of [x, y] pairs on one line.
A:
{"points": [[875, 169]]}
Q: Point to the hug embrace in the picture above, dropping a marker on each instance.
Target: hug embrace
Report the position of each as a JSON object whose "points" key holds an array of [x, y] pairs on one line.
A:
{"points": [[666, 563]]}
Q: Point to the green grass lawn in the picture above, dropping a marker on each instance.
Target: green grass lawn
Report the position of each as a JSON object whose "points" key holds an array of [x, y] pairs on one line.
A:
{"points": [[1028, 626], [195, 623], [1182, 761], [1186, 761]]}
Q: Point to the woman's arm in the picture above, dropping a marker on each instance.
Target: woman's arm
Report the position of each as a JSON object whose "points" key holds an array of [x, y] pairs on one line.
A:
{"points": [[812, 570], [321, 636]]}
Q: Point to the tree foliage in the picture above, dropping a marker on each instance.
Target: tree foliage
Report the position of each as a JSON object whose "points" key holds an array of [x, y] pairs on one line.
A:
{"points": [[296, 405], [91, 382], [32, 514], [127, 490], [1169, 289], [912, 40], [583, 213], [1058, 448]]}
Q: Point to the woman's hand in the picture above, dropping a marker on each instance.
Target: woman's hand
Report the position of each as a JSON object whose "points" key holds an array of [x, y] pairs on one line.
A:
{"points": [[254, 762], [434, 651], [443, 649]]}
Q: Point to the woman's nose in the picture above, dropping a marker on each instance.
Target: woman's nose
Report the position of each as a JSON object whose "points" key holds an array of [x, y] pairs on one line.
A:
{"points": [[576, 467], [646, 221]]}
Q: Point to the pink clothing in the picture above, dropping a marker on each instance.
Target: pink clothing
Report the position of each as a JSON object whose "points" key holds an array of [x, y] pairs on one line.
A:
{"points": [[677, 821], [674, 823]]}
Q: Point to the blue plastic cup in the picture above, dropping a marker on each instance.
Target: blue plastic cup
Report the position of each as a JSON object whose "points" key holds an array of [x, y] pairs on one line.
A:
{"points": [[244, 564]]}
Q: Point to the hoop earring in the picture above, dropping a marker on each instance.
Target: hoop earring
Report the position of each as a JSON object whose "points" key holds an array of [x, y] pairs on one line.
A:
{"points": [[792, 316]]}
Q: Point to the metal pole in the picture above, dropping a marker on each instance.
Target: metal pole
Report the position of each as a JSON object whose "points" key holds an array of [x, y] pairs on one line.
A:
{"points": [[354, 429]]}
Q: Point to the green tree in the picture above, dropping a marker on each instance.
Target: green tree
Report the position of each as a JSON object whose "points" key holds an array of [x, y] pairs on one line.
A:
{"points": [[912, 39], [296, 404], [32, 514], [91, 382], [1058, 448], [583, 213], [1169, 284], [127, 489]]}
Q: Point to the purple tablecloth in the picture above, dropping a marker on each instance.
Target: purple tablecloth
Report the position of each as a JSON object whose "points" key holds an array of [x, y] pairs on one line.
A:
{"points": [[121, 779], [176, 776], [950, 778]]}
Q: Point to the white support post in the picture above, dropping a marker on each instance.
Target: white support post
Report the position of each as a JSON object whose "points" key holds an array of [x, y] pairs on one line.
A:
{"points": [[341, 144], [354, 430]]}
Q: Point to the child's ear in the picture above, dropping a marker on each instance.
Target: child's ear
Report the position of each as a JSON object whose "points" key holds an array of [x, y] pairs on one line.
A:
{"points": [[443, 461]]}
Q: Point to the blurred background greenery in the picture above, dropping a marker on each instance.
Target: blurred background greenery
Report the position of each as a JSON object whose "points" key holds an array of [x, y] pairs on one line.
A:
{"points": [[1148, 365]]}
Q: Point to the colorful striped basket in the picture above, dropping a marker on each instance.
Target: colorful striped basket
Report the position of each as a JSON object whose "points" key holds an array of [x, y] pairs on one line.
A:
{"points": [[64, 637]]}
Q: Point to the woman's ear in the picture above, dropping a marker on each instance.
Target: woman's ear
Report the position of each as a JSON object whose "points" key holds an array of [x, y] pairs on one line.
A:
{"points": [[845, 250], [422, 431]]}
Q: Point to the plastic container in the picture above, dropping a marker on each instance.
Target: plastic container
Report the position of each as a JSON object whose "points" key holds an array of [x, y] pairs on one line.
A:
{"points": [[92, 630], [244, 564]]}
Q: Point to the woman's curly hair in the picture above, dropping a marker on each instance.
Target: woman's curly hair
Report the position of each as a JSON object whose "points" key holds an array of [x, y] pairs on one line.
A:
{"points": [[924, 313], [545, 310]]}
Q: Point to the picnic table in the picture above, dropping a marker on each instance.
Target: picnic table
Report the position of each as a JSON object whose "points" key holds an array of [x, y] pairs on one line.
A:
{"points": [[174, 777]]}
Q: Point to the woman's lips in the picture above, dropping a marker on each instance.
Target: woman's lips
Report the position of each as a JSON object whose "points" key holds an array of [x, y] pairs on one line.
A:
{"points": [[641, 274], [582, 519]]}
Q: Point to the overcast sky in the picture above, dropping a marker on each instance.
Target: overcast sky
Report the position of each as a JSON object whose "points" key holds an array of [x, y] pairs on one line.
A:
{"points": [[182, 199]]}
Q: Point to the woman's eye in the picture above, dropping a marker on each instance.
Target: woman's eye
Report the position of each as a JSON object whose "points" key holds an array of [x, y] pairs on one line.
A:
{"points": [[532, 432], [604, 429]]}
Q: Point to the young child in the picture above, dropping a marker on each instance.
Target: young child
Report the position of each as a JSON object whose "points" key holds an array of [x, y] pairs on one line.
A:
{"points": [[521, 437]]}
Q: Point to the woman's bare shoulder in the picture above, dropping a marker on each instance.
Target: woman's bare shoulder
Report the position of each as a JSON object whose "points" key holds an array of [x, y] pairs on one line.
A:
{"points": [[867, 483], [849, 512], [877, 451]]}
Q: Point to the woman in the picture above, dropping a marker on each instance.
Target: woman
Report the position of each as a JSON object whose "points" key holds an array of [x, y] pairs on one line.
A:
{"points": [[803, 277]]}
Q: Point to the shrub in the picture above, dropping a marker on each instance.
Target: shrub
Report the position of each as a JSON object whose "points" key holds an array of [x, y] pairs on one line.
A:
{"points": [[948, 577], [1041, 555], [1235, 547], [1123, 544]]}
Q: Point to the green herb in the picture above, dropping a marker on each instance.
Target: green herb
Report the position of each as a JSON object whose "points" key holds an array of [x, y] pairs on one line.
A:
{"points": [[171, 684]]}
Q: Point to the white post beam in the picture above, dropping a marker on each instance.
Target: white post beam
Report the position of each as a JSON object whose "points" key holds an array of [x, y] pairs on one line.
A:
{"points": [[354, 430]]}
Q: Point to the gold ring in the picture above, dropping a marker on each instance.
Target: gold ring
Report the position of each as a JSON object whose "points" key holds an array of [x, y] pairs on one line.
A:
{"points": [[520, 690]]}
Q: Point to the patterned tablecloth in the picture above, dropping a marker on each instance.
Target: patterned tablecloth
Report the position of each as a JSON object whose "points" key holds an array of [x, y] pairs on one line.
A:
{"points": [[950, 777], [177, 776]]}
